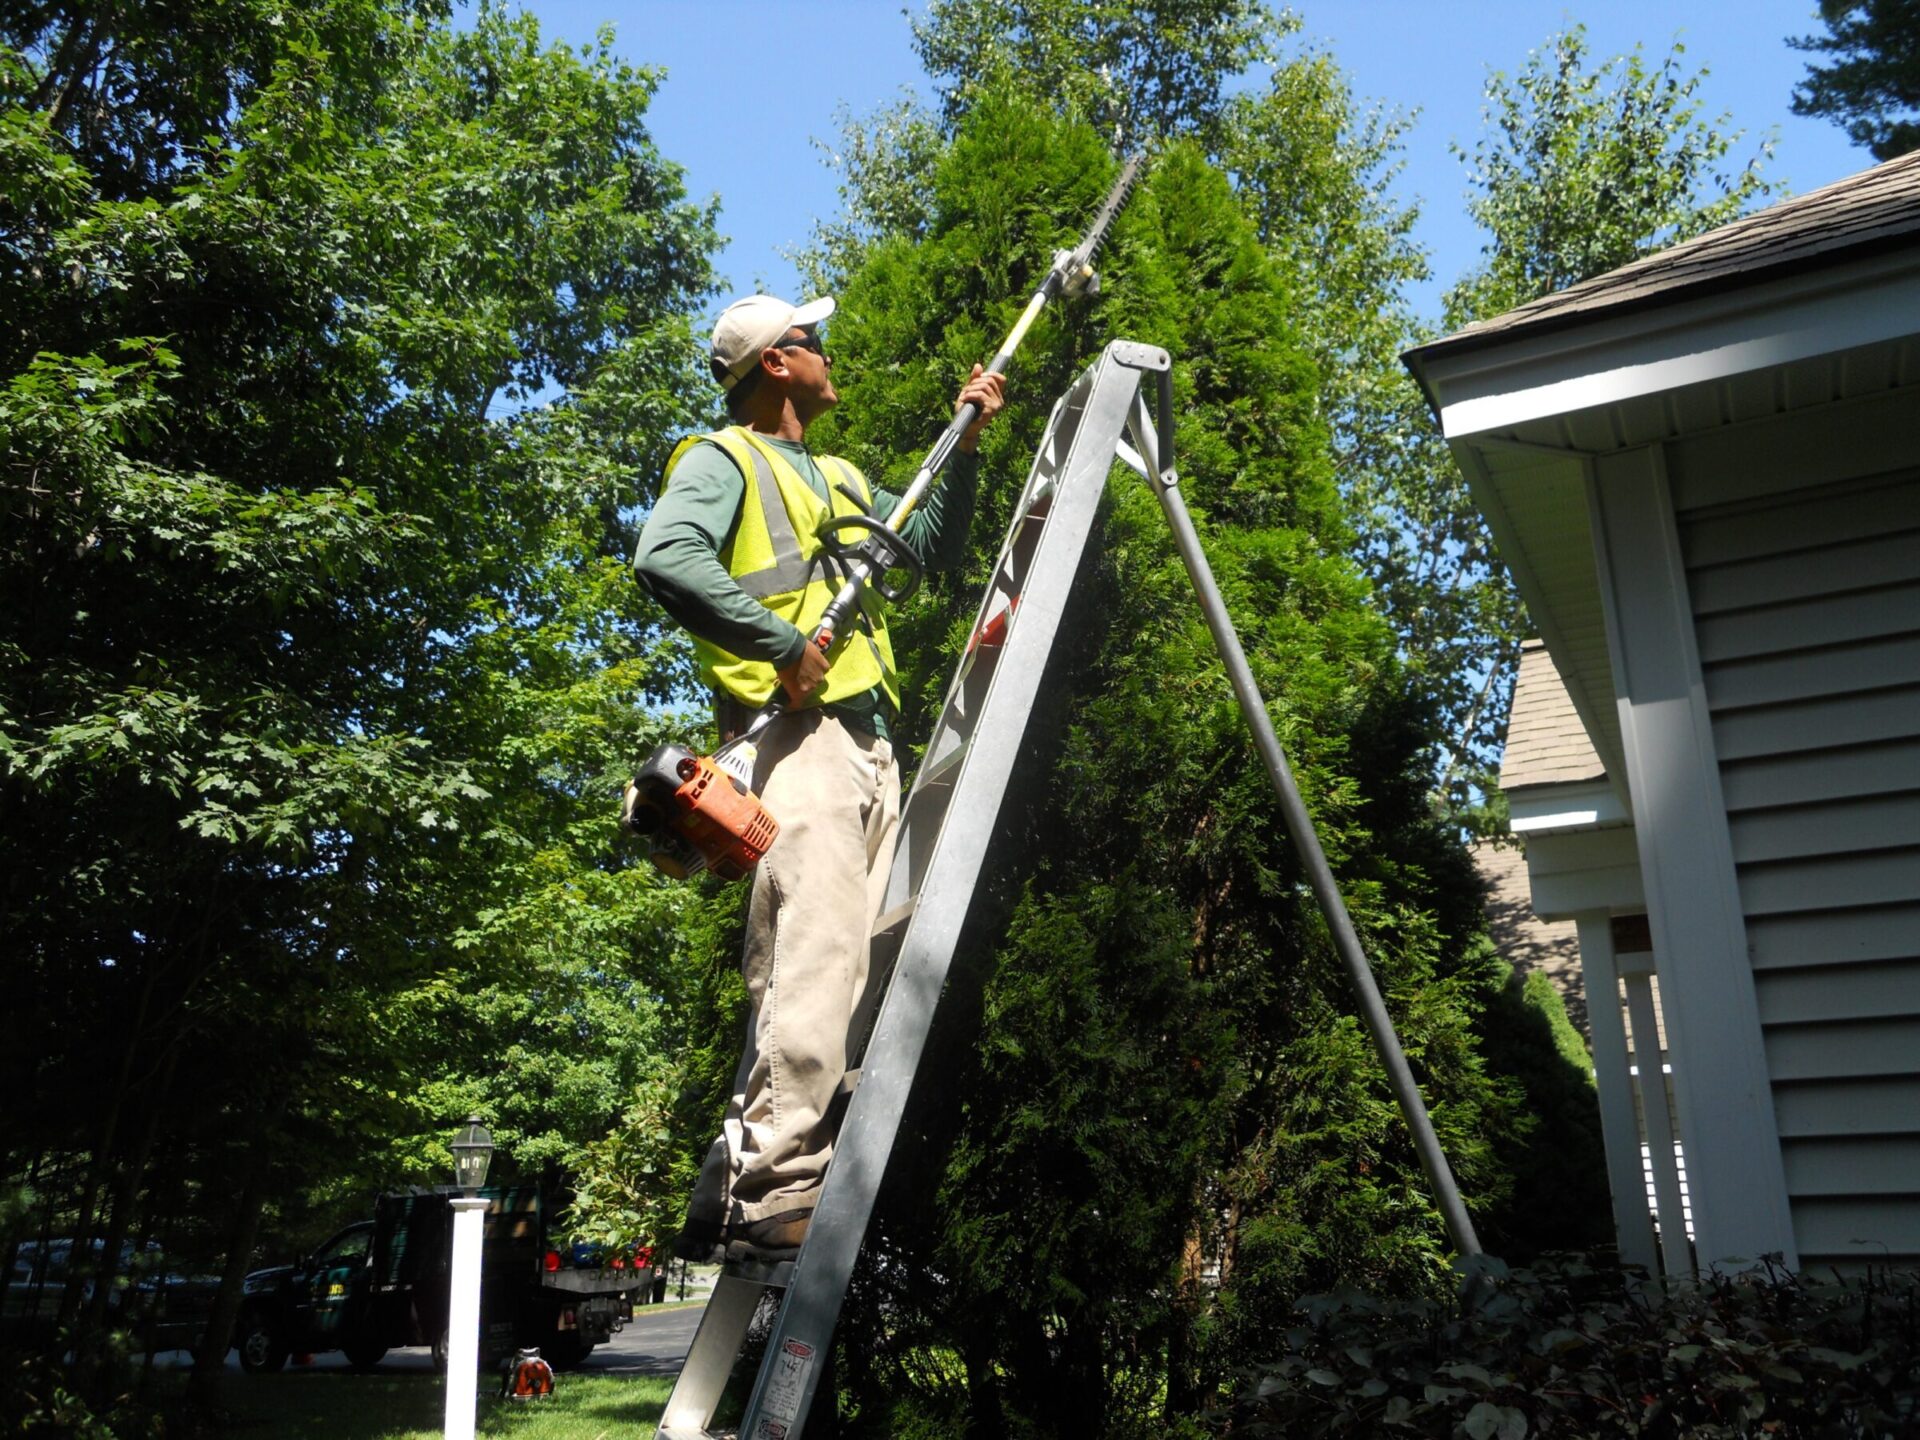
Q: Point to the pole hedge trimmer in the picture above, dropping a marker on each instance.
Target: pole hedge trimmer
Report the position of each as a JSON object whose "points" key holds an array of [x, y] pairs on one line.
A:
{"points": [[697, 812]]}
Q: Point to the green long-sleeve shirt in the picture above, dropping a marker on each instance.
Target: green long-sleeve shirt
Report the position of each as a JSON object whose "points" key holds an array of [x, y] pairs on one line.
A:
{"points": [[692, 522]]}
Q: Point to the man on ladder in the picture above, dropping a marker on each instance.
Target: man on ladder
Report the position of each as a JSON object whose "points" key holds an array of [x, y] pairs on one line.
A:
{"points": [[732, 552]]}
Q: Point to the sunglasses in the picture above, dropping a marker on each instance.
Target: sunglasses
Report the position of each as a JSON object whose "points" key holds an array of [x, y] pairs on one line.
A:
{"points": [[805, 342]]}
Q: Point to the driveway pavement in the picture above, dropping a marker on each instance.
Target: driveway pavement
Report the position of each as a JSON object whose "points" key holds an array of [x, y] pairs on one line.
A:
{"points": [[654, 1343]]}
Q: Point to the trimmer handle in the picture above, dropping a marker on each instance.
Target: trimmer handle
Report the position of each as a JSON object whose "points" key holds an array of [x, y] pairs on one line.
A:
{"points": [[877, 547]]}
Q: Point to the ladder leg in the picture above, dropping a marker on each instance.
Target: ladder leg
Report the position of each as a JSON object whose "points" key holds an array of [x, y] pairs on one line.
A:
{"points": [[1154, 459]]}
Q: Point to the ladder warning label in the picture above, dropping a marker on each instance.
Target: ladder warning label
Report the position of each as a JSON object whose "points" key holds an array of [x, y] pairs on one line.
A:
{"points": [[786, 1388]]}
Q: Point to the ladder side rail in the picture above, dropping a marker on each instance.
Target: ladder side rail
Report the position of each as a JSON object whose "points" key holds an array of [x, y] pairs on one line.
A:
{"points": [[783, 1391], [1043, 474], [927, 804], [1152, 455]]}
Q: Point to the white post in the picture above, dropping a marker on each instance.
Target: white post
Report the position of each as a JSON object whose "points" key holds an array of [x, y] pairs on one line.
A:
{"points": [[463, 1316], [1721, 1089], [1611, 1078], [1660, 1137]]}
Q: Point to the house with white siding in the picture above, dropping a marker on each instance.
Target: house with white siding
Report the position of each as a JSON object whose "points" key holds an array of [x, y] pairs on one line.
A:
{"points": [[1703, 470]]}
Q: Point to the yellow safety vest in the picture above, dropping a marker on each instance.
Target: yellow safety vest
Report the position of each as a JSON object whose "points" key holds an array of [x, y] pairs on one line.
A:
{"points": [[775, 556]]}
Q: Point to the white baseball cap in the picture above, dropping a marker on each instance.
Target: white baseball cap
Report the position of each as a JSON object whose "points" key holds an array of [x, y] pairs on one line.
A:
{"points": [[748, 326]]}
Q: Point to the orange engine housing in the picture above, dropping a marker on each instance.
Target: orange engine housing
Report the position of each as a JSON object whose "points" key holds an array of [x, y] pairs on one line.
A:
{"points": [[698, 816]]}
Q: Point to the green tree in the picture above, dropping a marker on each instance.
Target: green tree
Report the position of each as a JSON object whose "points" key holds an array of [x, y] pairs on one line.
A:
{"points": [[1584, 167], [1165, 1075], [1872, 84], [1137, 70], [318, 660], [1315, 172], [1587, 167], [1314, 169]]}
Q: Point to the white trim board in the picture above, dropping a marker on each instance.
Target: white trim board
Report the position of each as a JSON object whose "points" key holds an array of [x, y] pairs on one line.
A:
{"points": [[1585, 872], [1570, 805], [1650, 352]]}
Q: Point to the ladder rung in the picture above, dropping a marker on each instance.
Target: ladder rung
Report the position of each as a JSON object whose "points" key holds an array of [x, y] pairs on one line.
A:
{"points": [[935, 771], [774, 1274], [896, 918], [975, 654], [991, 633]]}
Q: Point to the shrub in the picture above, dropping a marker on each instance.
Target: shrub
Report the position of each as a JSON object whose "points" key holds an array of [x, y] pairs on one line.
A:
{"points": [[1559, 1163], [1572, 1348], [37, 1398]]}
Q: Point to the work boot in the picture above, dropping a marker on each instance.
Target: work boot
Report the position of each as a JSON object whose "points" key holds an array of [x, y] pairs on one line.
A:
{"points": [[700, 1242], [777, 1237]]}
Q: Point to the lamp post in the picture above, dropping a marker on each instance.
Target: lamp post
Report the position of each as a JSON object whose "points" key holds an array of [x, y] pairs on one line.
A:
{"points": [[472, 1153]]}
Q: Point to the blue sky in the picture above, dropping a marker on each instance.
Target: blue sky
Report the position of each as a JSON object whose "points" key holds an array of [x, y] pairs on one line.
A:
{"points": [[751, 84]]}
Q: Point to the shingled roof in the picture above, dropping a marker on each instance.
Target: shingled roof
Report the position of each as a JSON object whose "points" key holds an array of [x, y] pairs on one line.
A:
{"points": [[1876, 210], [1546, 743]]}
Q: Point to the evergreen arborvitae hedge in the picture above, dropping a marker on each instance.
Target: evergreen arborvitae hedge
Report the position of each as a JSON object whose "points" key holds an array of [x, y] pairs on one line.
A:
{"points": [[1154, 1119]]}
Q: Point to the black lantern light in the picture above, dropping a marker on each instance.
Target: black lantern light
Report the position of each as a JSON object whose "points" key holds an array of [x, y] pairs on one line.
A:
{"points": [[472, 1153]]}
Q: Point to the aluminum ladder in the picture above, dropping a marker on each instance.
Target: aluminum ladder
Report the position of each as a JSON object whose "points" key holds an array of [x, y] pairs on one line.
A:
{"points": [[945, 830]]}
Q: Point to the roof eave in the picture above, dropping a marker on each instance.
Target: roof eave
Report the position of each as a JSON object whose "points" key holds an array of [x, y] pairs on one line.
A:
{"points": [[1476, 337], [1478, 385]]}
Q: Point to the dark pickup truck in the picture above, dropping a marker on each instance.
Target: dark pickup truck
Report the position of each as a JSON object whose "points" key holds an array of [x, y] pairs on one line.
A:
{"points": [[382, 1284]]}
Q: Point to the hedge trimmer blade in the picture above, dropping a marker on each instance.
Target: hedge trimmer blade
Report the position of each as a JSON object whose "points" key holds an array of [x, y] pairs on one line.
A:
{"points": [[1116, 198]]}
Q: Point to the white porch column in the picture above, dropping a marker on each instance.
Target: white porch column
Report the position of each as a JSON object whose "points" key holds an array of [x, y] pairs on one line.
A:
{"points": [[1662, 1151], [1618, 1129], [1735, 1178]]}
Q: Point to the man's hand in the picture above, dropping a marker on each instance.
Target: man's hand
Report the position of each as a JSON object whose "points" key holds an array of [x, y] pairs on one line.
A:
{"points": [[803, 677], [989, 393]]}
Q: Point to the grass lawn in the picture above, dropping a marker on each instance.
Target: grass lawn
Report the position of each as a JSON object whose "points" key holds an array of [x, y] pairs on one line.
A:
{"points": [[337, 1406]]}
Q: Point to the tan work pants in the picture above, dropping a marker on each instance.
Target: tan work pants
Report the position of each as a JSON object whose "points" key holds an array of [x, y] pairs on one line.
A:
{"points": [[836, 793]]}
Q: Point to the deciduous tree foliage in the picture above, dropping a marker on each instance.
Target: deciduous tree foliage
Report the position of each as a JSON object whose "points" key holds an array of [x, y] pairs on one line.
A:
{"points": [[1871, 83], [318, 660], [1586, 167], [1167, 1077], [1137, 70], [1313, 168]]}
